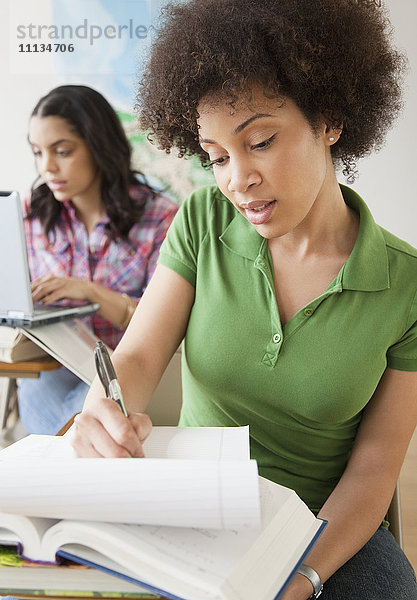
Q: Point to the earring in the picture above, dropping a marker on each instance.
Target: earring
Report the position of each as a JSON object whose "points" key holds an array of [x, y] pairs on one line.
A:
{"points": [[331, 139]]}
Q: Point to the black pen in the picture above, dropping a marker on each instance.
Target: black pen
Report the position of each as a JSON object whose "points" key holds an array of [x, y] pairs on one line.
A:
{"points": [[107, 375]]}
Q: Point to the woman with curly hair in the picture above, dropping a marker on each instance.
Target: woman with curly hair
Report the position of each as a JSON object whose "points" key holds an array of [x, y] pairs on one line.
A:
{"points": [[93, 230], [298, 312]]}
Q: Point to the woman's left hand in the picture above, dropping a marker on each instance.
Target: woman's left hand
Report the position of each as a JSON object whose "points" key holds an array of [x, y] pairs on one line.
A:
{"points": [[49, 289]]}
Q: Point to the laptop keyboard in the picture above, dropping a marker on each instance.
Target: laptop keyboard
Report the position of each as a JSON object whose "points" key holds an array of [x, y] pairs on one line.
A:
{"points": [[40, 308]]}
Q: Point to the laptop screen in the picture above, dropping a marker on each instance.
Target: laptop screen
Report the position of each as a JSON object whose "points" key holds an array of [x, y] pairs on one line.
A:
{"points": [[15, 292]]}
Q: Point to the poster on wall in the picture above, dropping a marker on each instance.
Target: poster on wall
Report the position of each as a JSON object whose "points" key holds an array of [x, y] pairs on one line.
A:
{"points": [[100, 43], [77, 40]]}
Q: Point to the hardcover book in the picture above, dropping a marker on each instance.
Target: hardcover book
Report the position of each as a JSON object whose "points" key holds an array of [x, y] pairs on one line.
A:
{"points": [[192, 521]]}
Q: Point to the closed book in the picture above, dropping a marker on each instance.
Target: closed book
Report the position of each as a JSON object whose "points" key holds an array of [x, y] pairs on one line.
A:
{"points": [[27, 579]]}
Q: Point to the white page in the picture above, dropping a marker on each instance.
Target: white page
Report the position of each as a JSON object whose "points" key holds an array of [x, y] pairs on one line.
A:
{"points": [[212, 443], [204, 559], [37, 447], [187, 493], [39, 478], [199, 443], [17, 528], [288, 528]]}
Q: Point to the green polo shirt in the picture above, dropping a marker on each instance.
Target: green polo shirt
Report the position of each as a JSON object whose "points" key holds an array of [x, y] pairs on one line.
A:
{"points": [[301, 387]]}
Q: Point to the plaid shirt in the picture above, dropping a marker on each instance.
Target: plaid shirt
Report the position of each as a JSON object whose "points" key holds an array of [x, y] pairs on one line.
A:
{"points": [[123, 266]]}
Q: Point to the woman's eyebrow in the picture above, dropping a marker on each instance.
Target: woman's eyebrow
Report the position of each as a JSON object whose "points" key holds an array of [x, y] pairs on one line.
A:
{"points": [[51, 145], [240, 127]]}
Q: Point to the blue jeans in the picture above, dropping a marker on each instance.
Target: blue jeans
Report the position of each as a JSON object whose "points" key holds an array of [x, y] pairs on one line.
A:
{"points": [[47, 403], [379, 571]]}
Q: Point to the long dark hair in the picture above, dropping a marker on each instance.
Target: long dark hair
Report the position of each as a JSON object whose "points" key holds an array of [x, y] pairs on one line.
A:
{"points": [[96, 122]]}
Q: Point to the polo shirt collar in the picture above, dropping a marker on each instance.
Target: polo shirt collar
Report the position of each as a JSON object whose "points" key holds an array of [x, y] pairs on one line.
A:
{"points": [[242, 238], [367, 267]]}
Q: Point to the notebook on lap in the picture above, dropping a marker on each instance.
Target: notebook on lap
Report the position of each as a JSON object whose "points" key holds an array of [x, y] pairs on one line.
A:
{"points": [[16, 304]]}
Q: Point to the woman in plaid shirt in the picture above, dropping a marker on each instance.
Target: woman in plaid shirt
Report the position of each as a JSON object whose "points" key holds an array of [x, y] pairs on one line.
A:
{"points": [[93, 230]]}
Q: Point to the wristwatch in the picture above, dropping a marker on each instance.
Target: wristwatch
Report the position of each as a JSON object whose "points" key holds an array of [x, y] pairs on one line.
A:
{"points": [[314, 579]]}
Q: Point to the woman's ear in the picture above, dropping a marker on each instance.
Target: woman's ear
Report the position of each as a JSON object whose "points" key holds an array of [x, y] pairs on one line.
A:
{"points": [[333, 133], [332, 127]]}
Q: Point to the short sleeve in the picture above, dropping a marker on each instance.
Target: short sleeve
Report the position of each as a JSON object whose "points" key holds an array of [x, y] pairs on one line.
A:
{"points": [[164, 218], [179, 251], [403, 354]]}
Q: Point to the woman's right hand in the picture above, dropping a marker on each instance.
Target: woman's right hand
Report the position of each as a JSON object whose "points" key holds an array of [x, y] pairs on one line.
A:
{"points": [[49, 289], [142, 355], [101, 430]]}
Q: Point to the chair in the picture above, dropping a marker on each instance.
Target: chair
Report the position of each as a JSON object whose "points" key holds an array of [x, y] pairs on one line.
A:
{"points": [[9, 373], [165, 406]]}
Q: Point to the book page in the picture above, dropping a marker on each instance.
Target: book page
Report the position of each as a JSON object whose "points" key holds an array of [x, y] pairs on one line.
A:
{"points": [[18, 529], [41, 479], [162, 556], [185, 493], [191, 443], [69, 342], [37, 447], [212, 443], [198, 563], [9, 336], [15, 347], [288, 529]]}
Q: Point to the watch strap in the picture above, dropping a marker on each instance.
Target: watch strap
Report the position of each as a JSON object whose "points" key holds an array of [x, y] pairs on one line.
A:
{"points": [[314, 579]]}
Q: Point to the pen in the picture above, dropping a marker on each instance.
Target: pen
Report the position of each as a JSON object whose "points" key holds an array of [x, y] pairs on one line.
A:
{"points": [[107, 375]]}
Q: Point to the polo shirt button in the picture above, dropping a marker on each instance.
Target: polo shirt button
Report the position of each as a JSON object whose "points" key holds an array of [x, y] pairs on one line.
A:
{"points": [[276, 338], [308, 312]]}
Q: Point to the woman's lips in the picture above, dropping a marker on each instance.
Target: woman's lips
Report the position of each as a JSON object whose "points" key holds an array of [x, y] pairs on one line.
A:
{"points": [[258, 213], [56, 185]]}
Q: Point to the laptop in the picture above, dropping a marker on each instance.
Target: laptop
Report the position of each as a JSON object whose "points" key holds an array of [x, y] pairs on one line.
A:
{"points": [[16, 305]]}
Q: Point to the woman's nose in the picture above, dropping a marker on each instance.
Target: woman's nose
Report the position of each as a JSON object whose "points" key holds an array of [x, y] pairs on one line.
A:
{"points": [[243, 176], [48, 163]]}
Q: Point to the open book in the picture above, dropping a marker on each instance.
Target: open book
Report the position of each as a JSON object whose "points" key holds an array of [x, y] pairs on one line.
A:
{"points": [[244, 560], [69, 342]]}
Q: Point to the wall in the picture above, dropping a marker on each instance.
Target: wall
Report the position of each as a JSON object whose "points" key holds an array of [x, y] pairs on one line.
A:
{"points": [[386, 179]]}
